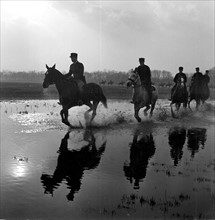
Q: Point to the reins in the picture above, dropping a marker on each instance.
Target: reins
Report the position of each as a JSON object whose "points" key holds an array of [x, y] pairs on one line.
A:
{"points": [[134, 82]]}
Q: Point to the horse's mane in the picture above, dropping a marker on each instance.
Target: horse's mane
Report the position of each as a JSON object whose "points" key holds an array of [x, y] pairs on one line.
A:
{"points": [[65, 80]]}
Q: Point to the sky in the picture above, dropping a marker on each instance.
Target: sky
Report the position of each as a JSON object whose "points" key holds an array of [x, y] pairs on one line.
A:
{"points": [[107, 35]]}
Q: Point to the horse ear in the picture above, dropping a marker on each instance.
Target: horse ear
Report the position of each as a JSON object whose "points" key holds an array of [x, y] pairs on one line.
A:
{"points": [[54, 66], [47, 66]]}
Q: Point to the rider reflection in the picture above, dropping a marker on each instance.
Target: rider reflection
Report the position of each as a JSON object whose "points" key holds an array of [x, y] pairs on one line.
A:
{"points": [[72, 163], [196, 138], [177, 137], [141, 151]]}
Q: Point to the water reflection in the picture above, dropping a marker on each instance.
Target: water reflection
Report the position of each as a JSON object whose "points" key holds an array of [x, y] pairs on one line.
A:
{"points": [[72, 163], [20, 168], [196, 138], [141, 150], [177, 138]]}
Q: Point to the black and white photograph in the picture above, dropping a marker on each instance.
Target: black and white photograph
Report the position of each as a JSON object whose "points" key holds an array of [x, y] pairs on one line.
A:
{"points": [[107, 109]]}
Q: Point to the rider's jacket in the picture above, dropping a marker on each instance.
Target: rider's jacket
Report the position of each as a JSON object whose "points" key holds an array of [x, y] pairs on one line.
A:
{"points": [[178, 76], [197, 77], [77, 71], [206, 78], [145, 74]]}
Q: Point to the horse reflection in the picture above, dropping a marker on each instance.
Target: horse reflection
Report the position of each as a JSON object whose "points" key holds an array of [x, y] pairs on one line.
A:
{"points": [[71, 165], [177, 137], [140, 152], [196, 138]]}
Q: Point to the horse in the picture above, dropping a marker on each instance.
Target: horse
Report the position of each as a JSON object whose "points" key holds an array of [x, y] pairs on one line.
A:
{"points": [[69, 93], [199, 91], [141, 96], [179, 95]]}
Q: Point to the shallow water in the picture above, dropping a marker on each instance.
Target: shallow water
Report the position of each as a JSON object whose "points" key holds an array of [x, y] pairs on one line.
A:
{"points": [[116, 168]]}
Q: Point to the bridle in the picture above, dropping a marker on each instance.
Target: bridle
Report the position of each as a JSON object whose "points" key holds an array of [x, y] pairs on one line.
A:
{"points": [[51, 81], [135, 81]]}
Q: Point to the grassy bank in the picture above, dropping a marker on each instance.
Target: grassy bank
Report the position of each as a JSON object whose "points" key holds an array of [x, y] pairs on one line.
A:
{"points": [[13, 91]]}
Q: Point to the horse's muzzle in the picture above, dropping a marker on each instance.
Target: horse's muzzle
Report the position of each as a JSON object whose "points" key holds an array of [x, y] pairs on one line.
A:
{"points": [[128, 84], [45, 85]]}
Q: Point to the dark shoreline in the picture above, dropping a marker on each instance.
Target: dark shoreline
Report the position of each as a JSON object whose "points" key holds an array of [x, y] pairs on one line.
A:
{"points": [[29, 91]]}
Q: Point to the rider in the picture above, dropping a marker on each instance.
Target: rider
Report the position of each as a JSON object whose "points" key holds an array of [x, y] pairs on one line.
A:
{"points": [[176, 78], [76, 71], [145, 76], [206, 76], [196, 78]]}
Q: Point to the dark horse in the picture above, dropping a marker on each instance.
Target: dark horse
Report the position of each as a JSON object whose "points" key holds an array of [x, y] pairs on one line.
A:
{"points": [[69, 93], [179, 95], [71, 165], [199, 91]]}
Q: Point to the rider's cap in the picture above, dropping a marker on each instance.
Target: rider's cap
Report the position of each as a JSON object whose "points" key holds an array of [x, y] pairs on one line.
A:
{"points": [[141, 59], [181, 68], [73, 55], [197, 68]]}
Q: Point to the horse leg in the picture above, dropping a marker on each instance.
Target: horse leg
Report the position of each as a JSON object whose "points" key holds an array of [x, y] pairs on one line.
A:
{"points": [[172, 112], [189, 104], [146, 109], [197, 104], [95, 104], [89, 110], [152, 108], [136, 112], [178, 106], [64, 116], [185, 105]]}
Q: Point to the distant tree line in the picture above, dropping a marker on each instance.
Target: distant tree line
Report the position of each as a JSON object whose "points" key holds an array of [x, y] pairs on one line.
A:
{"points": [[159, 78]]}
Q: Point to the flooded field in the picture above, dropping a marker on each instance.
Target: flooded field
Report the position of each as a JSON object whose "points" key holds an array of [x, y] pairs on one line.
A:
{"points": [[116, 168]]}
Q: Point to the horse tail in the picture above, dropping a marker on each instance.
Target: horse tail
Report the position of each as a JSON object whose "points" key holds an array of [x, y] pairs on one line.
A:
{"points": [[104, 100]]}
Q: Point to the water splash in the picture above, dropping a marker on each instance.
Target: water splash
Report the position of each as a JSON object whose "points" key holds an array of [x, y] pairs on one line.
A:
{"points": [[41, 115]]}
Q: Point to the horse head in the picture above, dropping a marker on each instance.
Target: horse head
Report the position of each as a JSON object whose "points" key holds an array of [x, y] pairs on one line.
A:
{"points": [[133, 79], [51, 76]]}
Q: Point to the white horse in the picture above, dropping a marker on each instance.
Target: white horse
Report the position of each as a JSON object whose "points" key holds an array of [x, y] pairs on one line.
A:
{"points": [[141, 96]]}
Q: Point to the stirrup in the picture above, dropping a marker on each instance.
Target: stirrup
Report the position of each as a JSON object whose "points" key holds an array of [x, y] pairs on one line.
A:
{"points": [[80, 102]]}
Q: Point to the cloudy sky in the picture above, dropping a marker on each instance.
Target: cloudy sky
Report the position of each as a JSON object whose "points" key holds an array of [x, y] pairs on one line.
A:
{"points": [[109, 35]]}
